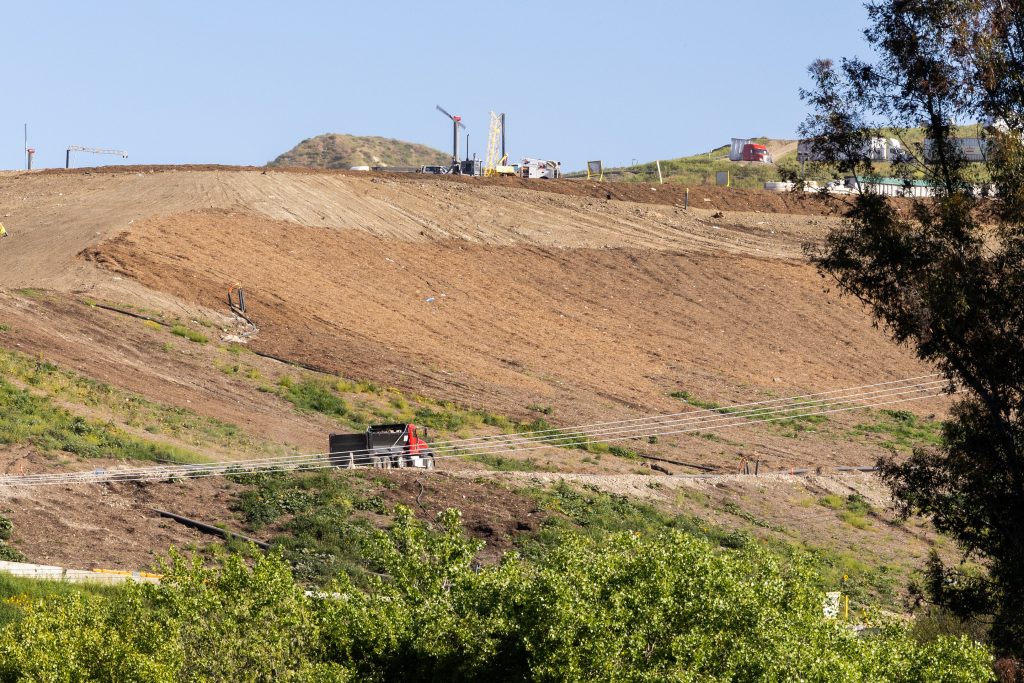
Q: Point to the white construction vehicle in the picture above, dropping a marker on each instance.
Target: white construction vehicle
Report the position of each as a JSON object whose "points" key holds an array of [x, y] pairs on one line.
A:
{"points": [[540, 168]]}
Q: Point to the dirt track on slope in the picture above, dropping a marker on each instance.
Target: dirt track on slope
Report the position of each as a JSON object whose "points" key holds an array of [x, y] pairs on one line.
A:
{"points": [[53, 216]]}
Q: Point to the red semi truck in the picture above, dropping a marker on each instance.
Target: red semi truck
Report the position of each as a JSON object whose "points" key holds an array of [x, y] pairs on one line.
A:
{"points": [[756, 152], [745, 149]]}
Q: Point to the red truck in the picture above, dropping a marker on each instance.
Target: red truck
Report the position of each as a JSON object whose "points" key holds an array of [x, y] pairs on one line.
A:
{"points": [[745, 149], [385, 446], [756, 152]]}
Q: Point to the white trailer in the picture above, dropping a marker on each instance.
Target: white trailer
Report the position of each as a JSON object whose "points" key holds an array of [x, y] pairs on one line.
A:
{"points": [[972, 149], [873, 149], [736, 148]]}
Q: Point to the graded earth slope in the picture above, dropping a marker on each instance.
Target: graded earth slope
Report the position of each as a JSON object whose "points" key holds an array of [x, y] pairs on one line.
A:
{"points": [[578, 302]]}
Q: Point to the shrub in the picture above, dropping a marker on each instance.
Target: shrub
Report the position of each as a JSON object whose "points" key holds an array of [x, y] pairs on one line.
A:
{"points": [[312, 395], [191, 335], [629, 607]]}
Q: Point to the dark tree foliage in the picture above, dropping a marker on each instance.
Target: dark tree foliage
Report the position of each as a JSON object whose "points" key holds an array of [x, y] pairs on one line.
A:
{"points": [[947, 276]]}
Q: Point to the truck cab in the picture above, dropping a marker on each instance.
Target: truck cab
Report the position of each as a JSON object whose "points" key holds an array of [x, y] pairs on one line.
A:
{"points": [[756, 152]]}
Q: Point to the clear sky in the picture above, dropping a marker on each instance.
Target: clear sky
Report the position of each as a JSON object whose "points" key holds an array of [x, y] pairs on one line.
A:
{"points": [[233, 82]]}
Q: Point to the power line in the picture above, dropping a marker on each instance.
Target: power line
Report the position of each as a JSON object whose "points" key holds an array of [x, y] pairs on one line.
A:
{"points": [[561, 440], [511, 443], [708, 420]]}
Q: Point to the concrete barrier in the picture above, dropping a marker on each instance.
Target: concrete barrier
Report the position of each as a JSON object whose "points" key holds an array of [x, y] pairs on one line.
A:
{"points": [[49, 573]]}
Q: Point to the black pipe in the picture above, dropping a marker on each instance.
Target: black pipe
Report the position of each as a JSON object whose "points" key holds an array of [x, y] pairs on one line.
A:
{"points": [[210, 529], [115, 309], [705, 468]]}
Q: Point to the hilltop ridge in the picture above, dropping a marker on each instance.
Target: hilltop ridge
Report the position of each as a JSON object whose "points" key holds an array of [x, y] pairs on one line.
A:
{"points": [[339, 150]]}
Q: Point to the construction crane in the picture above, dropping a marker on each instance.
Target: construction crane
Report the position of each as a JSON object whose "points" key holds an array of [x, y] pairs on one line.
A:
{"points": [[456, 124], [496, 165], [91, 150]]}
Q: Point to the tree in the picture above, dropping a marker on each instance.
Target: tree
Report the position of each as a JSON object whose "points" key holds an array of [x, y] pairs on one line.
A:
{"points": [[945, 276]]}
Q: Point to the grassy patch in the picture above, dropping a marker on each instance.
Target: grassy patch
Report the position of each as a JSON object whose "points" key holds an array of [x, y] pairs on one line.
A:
{"points": [[500, 463], [899, 430], [831, 501], [694, 401], [318, 532], [853, 509], [131, 409], [789, 420], [313, 396], [596, 513], [191, 335], [855, 520], [17, 592], [4, 327], [733, 508], [28, 418]]}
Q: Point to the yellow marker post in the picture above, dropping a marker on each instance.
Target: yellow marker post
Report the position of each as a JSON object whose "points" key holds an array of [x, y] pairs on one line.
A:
{"points": [[846, 601]]}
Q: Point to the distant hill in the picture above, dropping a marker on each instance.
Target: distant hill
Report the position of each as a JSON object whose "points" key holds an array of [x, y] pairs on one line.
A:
{"points": [[335, 150]]}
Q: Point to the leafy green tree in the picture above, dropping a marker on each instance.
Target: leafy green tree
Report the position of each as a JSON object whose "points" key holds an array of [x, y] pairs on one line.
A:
{"points": [[431, 613], [627, 607], [945, 276], [230, 622]]}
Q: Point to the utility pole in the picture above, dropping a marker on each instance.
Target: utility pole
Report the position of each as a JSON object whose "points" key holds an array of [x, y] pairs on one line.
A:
{"points": [[28, 160]]}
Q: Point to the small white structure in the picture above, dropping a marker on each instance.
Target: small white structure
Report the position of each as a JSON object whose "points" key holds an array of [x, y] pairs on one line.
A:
{"points": [[972, 149], [873, 149], [540, 168]]}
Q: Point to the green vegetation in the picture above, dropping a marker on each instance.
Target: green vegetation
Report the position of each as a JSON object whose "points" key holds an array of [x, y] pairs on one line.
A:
{"points": [[190, 334], [502, 464], [694, 401], [790, 420], [27, 418], [135, 411], [17, 594], [7, 551], [333, 150], [333, 396], [312, 395], [900, 430], [319, 530], [4, 327], [853, 509], [636, 607], [700, 169]]}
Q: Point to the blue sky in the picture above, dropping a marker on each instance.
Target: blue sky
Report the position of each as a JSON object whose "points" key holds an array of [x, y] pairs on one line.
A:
{"points": [[223, 81]]}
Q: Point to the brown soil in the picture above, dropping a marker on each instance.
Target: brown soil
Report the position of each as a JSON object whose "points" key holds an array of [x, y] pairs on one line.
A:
{"points": [[495, 293], [108, 526], [594, 333]]}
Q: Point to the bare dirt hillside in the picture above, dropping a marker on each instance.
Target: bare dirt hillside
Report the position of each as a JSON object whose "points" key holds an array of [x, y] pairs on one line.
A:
{"points": [[577, 301], [486, 294], [587, 330]]}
